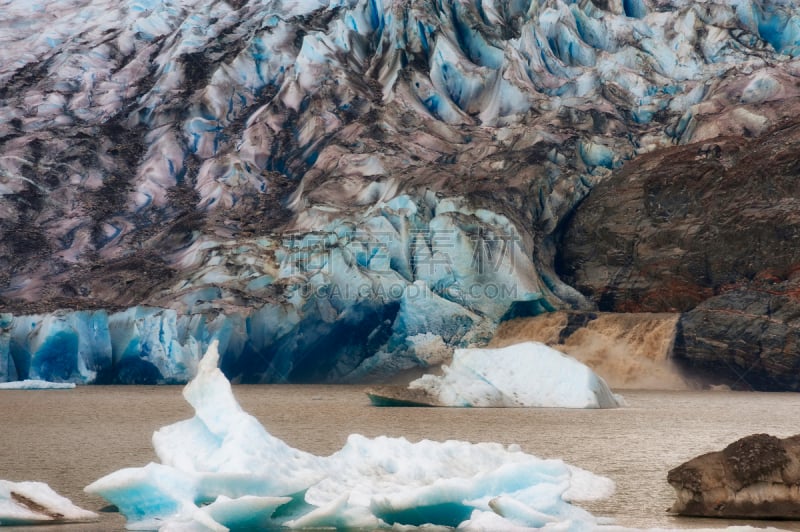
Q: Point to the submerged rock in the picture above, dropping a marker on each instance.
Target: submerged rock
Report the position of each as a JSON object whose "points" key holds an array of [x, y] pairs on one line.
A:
{"points": [[756, 477]]}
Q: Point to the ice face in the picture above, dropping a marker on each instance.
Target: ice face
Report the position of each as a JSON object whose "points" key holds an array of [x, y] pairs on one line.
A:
{"points": [[223, 469], [352, 290], [139, 345], [35, 503], [526, 374]]}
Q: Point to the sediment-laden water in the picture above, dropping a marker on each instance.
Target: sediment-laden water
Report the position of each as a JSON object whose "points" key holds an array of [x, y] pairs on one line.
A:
{"points": [[70, 438]]}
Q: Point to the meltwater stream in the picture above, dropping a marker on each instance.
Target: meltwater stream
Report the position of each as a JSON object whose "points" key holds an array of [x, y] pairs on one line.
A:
{"points": [[73, 437]]}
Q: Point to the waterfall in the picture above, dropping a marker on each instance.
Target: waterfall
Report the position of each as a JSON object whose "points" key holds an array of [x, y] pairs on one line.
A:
{"points": [[630, 351]]}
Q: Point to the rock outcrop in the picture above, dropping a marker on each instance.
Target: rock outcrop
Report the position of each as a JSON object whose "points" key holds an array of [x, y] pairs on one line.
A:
{"points": [[747, 338], [756, 477], [676, 227], [710, 230]]}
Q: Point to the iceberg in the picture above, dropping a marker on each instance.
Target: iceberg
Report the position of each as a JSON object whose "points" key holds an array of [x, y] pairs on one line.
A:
{"points": [[36, 384], [526, 374], [35, 503], [222, 470]]}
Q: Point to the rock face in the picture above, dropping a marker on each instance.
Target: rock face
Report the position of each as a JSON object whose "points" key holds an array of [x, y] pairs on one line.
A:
{"points": [[757, 477], [679, 226], [746, 338], [315, 184], [703, 229]]}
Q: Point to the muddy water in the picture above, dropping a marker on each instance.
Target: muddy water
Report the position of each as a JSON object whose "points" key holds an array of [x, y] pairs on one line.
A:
{"points": [[70, 438]]}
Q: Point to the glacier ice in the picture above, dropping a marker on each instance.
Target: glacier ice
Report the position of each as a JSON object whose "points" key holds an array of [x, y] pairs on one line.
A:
{"points": [[387, 144], [35, 384], [35, 503], [221, 469], [351, 291], [526, 374], [136, 346]]}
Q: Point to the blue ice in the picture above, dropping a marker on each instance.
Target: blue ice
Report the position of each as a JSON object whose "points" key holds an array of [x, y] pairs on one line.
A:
{"points": [[223, 456]]}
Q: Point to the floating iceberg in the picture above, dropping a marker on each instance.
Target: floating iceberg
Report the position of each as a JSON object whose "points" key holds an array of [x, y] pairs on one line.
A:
{"points": [[222, 470], [35, 384], [34, 503], [526, 374]]}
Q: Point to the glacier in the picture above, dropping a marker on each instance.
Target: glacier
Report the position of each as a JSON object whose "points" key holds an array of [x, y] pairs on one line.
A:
{"points": [[35, 503], [222, 470], [528, 374], [315, 184]]}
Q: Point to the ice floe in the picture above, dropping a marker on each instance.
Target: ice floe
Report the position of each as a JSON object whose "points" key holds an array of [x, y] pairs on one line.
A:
{"points": [[222, 469], [35, 503], [35, 384]]}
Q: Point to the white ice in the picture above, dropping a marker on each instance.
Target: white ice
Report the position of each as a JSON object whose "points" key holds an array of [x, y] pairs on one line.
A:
{"points": [[33, 503], [222, 470], [526, 374], [36, 384]]}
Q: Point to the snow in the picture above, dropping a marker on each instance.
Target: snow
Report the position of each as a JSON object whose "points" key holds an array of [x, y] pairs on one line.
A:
{"points": [[526, 374], [35, 384], [35, 503], [221, 469]]}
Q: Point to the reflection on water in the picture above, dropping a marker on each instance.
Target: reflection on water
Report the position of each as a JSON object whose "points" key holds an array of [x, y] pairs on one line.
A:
{"points": [[70, 438]]}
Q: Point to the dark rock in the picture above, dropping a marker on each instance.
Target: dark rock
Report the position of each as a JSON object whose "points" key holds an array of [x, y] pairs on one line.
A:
{"points": [[679, 225], [575, 321], [746, 338], [756, 477]]}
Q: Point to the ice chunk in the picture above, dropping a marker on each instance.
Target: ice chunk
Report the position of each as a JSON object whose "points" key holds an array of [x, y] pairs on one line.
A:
{"points": [[526, 374], [226, 440], [35, 384], [34, 503], [222, 469]]}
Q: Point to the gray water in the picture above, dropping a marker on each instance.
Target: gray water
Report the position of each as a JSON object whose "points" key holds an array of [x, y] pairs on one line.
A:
{"points": [[69, 438]]}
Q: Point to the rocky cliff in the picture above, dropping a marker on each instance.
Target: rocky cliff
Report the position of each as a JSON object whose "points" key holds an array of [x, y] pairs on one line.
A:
{"points": [[709, 229], [335, 189]]}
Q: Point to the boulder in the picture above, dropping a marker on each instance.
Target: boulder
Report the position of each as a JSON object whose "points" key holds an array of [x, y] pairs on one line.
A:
{"points": [[756, 477]]}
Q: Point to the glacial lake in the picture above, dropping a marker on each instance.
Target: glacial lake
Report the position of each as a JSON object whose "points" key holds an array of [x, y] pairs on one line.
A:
{"points": [[69, 438]]}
